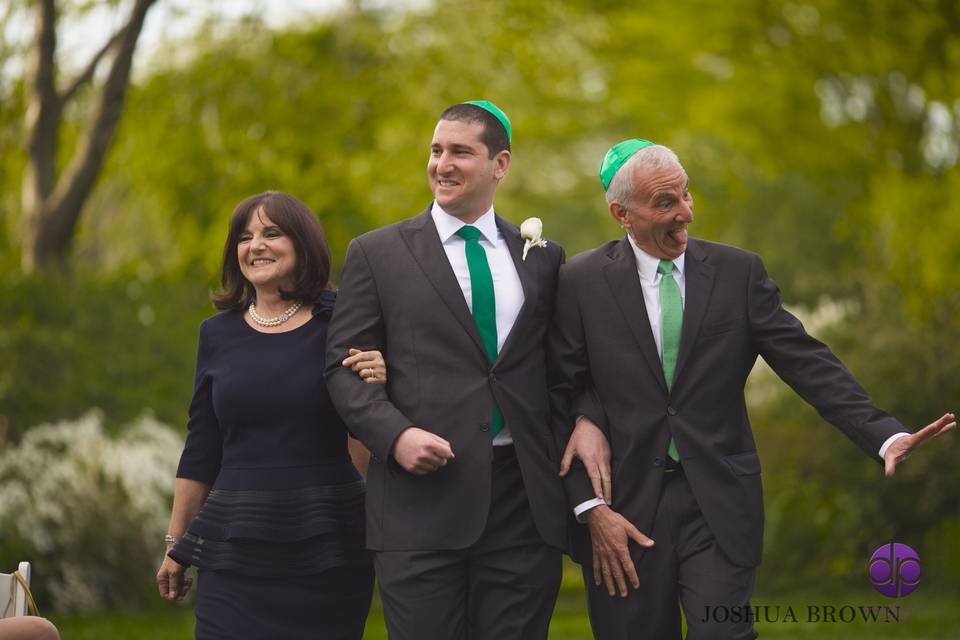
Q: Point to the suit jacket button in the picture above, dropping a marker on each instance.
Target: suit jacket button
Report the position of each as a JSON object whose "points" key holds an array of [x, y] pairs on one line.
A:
{"points": [[657, 462], [672, 411], [493, 377], [484, 426]]}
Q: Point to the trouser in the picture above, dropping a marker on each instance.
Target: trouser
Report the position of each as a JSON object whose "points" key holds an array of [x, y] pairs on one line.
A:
{"points": [[685, 566], [503, 587]]}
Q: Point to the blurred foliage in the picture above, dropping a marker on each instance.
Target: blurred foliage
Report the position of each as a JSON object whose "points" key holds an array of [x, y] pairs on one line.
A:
{"points": [[85, 509], [122, 343], [824, 498], [823, 135]]}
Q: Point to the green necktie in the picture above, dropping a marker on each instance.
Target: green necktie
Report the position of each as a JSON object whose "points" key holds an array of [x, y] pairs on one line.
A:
{"points": [[671, 324], [484, 307]]}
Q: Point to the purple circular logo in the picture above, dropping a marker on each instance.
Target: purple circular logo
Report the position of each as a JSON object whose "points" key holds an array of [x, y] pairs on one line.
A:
{"points": [[895, 570]]}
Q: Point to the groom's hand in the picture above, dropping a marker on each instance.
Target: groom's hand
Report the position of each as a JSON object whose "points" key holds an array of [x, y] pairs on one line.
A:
{"points": [[589, 443], [421, 452], [610, 534]]}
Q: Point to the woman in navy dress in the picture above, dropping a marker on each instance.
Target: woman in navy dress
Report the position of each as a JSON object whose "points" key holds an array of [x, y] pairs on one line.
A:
{"points": [[267, 503]]}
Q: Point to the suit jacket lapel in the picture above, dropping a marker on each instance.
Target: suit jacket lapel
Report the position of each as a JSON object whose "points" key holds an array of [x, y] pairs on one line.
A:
{"points": [[624, 281], [423, 241], [699, 278], [526, 271]]}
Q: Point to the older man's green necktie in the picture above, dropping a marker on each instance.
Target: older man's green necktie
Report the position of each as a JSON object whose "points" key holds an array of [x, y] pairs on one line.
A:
{"points": [[484, 306], [671, 325]]}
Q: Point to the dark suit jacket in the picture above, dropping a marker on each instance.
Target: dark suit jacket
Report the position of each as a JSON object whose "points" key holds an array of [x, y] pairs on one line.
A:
{"points": [[603, 352], [400, 295]]}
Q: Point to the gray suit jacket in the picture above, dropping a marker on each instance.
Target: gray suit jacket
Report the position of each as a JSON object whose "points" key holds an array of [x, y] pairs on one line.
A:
{"points": [[400, 295], [603, 352]]}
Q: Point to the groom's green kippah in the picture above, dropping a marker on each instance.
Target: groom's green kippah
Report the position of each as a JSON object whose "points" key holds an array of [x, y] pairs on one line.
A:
{"points": [[496, 112], [618, 154]]}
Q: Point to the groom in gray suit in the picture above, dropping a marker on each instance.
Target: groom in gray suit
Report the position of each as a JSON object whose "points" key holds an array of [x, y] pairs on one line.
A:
{"points": [[465, 509]]}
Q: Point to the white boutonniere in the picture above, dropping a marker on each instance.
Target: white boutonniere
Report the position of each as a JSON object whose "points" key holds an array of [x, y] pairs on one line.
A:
{"points": [[531, 230]]}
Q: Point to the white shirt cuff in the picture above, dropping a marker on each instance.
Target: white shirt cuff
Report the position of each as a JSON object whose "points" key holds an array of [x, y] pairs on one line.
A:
{"points": [[581, 509], [890, 441]]}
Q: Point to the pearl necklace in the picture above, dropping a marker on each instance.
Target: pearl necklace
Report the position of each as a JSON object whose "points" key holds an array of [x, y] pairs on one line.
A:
{"points": [[273, 322]]}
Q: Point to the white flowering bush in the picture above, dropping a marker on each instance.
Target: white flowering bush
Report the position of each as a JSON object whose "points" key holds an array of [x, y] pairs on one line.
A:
{"points": [[89, 509]]}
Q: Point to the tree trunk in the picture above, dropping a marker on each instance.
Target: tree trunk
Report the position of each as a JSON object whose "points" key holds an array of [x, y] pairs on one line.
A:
{"points": [[44, 109], [52, 204]]}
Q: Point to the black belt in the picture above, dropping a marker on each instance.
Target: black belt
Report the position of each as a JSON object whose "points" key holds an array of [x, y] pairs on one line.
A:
{"points": [[503, 453]]}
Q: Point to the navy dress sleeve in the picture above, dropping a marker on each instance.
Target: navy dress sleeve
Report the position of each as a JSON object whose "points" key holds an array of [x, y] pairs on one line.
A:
{"points": [[202, 452]]}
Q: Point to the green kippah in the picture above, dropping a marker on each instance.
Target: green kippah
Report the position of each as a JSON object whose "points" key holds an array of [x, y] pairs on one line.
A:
{"points": [[618, 154], [496, 112]]}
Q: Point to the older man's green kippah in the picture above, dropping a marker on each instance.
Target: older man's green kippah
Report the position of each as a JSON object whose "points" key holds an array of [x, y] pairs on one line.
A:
{"points": [[619, 154], [496, 112]]}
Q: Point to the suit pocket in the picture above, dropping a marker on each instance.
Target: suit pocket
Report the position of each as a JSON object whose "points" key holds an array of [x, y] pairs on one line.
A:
{"points": [[718, 328], [744, 464]]}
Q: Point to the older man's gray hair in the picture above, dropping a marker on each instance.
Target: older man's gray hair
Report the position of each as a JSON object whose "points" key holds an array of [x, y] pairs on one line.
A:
{"points": [[655, 156]]}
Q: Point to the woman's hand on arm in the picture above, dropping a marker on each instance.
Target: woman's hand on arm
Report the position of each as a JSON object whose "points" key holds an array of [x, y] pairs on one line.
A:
{"points": [[369, 365]]}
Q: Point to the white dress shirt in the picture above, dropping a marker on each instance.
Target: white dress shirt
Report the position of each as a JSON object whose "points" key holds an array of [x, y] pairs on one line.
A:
{"points": [[507, 290], [650, 283], [647, 267]]}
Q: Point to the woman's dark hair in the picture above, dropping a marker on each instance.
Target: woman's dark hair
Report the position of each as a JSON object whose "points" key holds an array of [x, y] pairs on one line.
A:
{"points": [[294, 218]]}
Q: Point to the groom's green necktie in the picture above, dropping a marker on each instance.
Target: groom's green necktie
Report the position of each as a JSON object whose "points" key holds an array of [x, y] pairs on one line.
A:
{"points": [[671, 324], [484, 306]]}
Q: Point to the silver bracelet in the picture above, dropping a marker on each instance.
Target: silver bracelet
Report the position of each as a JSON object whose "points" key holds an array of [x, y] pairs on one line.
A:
{"points": [[169, 539]]}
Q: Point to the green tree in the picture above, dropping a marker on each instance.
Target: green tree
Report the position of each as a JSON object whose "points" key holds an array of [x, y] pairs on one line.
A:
{"points": [[53, 196]]}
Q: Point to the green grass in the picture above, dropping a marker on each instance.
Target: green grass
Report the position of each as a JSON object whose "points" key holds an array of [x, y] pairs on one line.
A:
{"points": [[923, 616]]}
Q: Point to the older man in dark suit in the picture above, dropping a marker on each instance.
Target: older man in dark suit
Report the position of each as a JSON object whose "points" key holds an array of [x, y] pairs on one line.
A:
{"points": [[656, 334], [465, 510]]}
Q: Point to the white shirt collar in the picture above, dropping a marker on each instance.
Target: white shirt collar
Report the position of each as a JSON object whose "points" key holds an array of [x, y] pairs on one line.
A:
{"points": [[447, 225], [647, 264]]}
